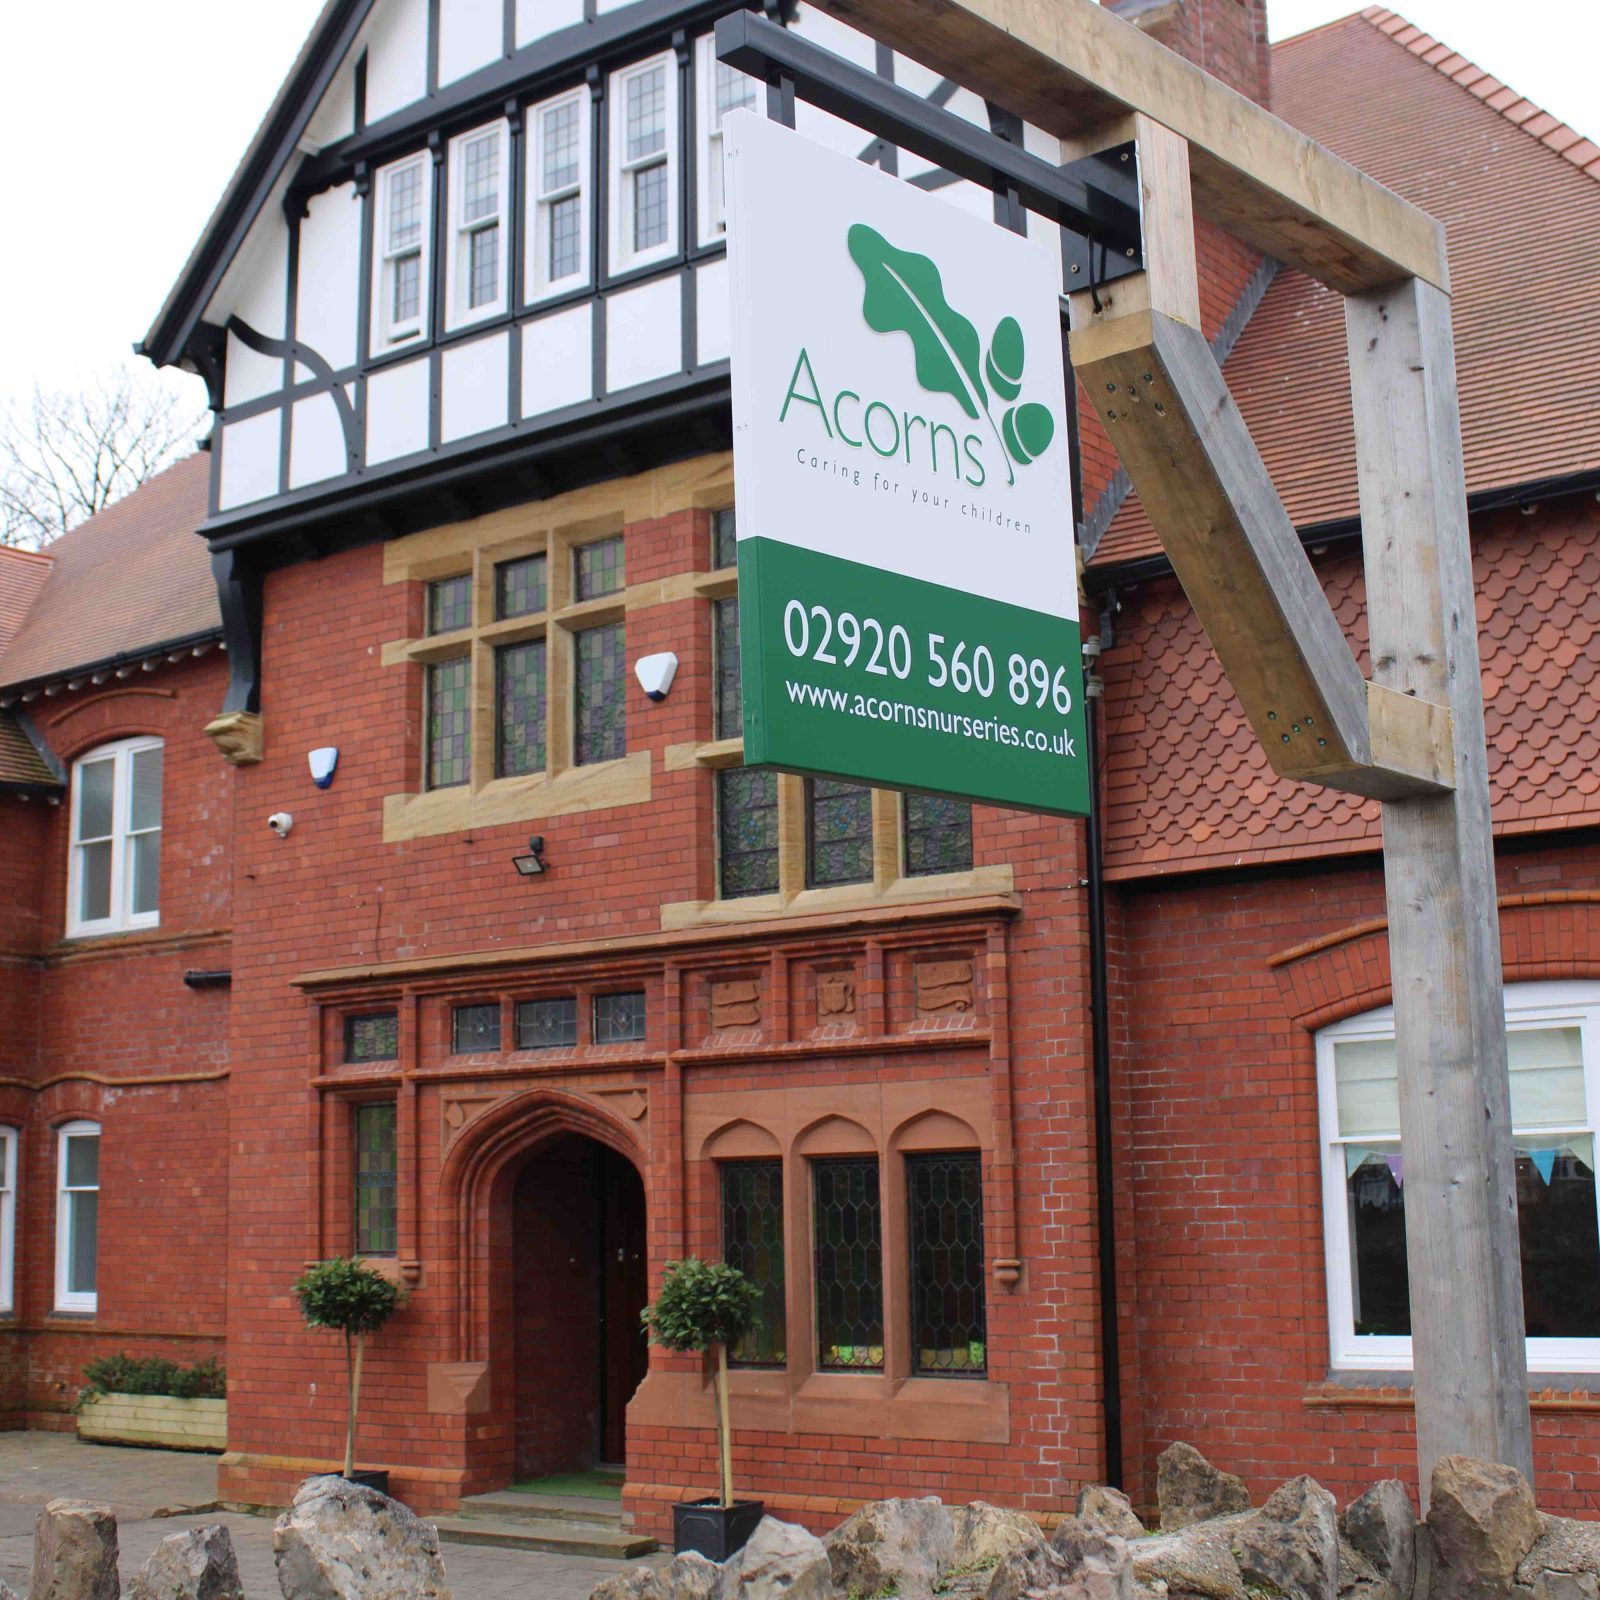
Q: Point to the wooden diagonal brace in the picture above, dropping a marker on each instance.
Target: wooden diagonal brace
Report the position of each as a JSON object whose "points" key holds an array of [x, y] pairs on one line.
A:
{"points": [[1174, 425]]}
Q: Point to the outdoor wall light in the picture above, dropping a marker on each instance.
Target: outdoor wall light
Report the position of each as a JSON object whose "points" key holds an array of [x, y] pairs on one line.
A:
{"points": [[532, 864]]}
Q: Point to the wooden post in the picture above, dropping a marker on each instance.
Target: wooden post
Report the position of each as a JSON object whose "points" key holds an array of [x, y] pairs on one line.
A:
{"points": [[1462, 1246]]}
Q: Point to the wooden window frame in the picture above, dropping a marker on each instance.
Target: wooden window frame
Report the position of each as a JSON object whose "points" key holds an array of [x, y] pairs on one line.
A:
{"points": [[121, 919], [67, 1299], [539, 285], [387, 333], [458, 264]]}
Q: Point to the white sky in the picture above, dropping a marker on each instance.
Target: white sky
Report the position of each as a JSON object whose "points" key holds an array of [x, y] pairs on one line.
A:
{"points": [[122, 124]]}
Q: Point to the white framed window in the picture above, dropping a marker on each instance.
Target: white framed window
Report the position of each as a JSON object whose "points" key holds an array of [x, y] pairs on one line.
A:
{"points": [[114, 875], [401, 273], [1553, 1042], [475, 284], [644, 163], [719, 89], [77, 1216], [8, 1219], [558, 190]]}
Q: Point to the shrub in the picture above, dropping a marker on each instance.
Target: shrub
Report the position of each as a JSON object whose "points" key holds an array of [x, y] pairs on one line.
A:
{"points": [[125, 1374]]}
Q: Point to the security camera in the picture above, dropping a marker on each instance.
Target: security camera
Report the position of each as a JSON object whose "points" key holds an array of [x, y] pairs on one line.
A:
{"points": [[280, 822]]}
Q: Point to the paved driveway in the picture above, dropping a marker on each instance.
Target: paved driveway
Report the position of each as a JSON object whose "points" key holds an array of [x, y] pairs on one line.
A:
{"points": [[157, 1492]]}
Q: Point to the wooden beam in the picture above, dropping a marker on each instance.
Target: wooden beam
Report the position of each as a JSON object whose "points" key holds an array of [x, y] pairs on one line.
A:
{"points": [[1462, 1245], [1070, 65], [1179, 434]]}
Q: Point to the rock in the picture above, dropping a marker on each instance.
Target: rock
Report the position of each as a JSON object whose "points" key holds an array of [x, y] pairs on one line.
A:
{"points": [[690, 1577], [1382, 1526], [196, 1565], [1562, 1586], [1191, 1490], [344, 1541], [984, 1535], [1292, 1543], [1565, 1560], [1196, 1563], [1359, 1579], [1098, 1565], [782, 1561], [1038, 1568], [642, 1583], [900, 1544], [1483, 1521], [74, 1553], [1109, 1510]]}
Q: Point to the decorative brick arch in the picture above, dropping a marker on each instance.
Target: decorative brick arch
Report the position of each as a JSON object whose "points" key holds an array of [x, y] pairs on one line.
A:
{"points": [[488, 1149]]}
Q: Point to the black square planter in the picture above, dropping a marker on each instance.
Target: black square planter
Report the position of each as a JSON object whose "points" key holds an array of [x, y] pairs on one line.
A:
{"points": [[378, 1480], [714, 1530]]}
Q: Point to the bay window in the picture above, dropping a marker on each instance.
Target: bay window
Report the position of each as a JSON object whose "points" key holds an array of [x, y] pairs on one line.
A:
{"points": [[1553, 1044], [400, 262], [77, 1216], [114, 874], [644, 161], [476, 275], [558, 191]]}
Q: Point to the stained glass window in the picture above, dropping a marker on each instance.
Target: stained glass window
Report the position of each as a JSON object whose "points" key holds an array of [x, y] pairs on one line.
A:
{"points": [[948, 1332], [847, 1248], [547, 1024], [619, 1018], [724, 539], [521, 587], [375, 1037], [747, 831], [475, 1028], [938, 835], [375, 1185], [450, 603], [520, 708], [449, 722], [599, 695], [838, 832], [598, 568], [752, 1241], [730, 712]]}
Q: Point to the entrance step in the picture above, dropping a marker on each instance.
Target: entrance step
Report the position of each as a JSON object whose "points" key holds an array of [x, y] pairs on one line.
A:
{"points": [[521, 1505], [560, 1524]]}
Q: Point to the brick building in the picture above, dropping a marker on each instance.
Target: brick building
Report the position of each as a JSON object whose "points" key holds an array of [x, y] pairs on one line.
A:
{"points": [[462, 317]]}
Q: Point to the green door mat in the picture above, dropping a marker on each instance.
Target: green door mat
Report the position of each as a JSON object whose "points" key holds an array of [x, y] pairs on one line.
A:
{"points": [[597, 1485]]}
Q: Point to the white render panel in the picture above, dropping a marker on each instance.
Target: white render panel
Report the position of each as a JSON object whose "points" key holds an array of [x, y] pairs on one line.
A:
{"points": [[558, 360], [335, 117], [827, 31], [471, 34], [644, 333], [397, 56], [316, 442], [250, 460], [472, 387], [1039, 143], [536, 18], [397, 411], [260, 285], [603, 6], [711, 308], [326, 311]]}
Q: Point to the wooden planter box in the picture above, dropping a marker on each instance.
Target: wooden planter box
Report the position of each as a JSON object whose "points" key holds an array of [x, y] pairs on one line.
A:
{"points": [[155, 1419]]}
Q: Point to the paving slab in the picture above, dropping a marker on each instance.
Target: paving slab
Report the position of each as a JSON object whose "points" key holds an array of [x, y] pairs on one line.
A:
{"points": [[157, 1492]]}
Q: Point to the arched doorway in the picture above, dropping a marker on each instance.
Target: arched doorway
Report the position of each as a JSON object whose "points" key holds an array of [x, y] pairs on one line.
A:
{"points": [[579, 1281]]}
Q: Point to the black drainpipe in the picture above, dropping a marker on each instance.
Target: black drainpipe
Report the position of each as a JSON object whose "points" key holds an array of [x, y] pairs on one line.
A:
{"points": [[1099, 1005]]}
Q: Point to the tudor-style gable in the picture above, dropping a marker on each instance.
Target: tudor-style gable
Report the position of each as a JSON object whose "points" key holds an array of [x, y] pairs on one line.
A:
{"points": [[477, 254]]}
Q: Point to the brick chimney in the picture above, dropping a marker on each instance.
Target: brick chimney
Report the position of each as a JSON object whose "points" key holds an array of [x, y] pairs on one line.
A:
{"points": [[1226, 37]]}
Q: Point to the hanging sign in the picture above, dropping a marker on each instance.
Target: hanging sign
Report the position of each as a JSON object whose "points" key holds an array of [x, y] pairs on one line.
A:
{"points": [[908, 590]]}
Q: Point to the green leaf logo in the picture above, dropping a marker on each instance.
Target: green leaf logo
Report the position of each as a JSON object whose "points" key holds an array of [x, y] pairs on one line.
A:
{"points": [[904, 294]]}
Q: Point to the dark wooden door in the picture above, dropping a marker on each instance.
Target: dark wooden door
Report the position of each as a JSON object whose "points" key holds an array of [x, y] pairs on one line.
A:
{"points": [[624, 1280]]}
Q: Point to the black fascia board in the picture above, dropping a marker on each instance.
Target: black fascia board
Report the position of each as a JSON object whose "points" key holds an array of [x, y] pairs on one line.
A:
{"points": [[269, 153], [124, 658], [1097, 198], [536, 69]]}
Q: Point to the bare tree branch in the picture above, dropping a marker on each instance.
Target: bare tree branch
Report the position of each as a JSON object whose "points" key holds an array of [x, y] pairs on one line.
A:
{"points": [[64, 457]]}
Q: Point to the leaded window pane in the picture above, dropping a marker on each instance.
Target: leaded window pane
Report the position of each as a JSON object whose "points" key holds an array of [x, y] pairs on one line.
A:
{"points": [[838, 832], [647, 112], [598, 568], [650, 207], [938, 835], [547, 1024], [480, 176], [449, 722], [599, 711], [520, 708], [747, 831], [734, 91], [375, 1180], [407, 304], [483, 267], [847, 1247], [475, 1028], [730, 709], [752, 1241], [948, 1330], [566, 237], [405, 207], [375, 1037], [619, 1018], [561, 146], [450, 603], [521, 587], [724, 539]]}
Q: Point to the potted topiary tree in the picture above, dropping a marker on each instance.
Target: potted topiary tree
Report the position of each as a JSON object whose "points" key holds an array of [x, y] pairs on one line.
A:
{"points": [[355, 1300], [706, 1306]]}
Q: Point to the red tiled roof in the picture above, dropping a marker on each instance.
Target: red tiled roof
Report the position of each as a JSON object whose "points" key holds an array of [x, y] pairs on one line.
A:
{"points": [[1187, 782], [127, 580], [22, 576], [1519, 197], [21, 765]]}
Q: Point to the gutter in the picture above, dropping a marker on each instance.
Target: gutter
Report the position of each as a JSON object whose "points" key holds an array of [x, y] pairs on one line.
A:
{"points": [[26, 690]]}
